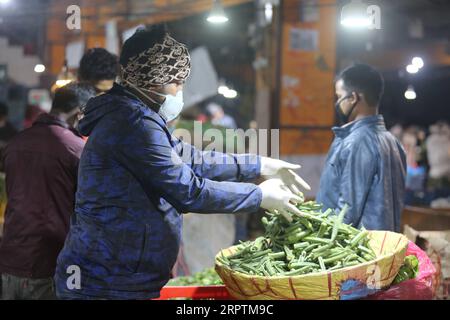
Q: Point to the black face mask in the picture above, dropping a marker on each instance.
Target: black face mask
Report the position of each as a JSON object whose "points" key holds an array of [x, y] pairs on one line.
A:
{"points": [[342, 117]]}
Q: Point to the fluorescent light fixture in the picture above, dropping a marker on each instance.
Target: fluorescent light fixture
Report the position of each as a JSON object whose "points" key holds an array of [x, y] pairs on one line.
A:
{"points": [[217, 19], [268, 12], [222, 89], [227, 92], [217, 14], [4, 1], [412, 69], [39, 68], [354, 15], [418, 62], [355, 22], [410, 94], [230, 94], [62, 82]]}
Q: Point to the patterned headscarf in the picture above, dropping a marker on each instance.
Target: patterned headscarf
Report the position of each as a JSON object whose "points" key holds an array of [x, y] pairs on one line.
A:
{"points": [[164, 63]]}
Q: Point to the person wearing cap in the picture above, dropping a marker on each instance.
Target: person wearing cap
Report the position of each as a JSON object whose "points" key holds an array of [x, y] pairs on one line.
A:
{"points": [[135, 181]]}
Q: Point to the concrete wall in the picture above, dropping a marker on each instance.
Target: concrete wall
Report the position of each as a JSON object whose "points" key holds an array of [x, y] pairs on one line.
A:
{"points": [[20, 66]]}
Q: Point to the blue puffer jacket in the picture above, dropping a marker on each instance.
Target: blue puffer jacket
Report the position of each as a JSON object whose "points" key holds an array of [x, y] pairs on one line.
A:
{"points": [[365, 168], [132, 186]]}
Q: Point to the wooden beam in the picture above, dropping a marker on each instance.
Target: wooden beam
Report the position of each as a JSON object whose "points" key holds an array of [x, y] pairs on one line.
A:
{"points": [[95, 13], [434, 54]]}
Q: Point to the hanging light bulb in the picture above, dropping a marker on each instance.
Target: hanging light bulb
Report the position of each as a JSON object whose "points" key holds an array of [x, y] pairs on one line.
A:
{"points": [[39, 68], [217, 14], [354, 15], [410, 93], [412, 68], [64, 77], [418, 62], [227, 92], [222, 89], [268, 12], [230, 94]]}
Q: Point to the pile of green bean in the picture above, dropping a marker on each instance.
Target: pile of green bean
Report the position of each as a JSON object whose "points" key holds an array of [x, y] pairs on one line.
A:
{"points": [[316, 241], [207, 277]]}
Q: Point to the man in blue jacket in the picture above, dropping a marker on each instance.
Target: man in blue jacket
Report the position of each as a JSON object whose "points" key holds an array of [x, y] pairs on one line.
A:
{"points": [[135, 179], [366, 165]]}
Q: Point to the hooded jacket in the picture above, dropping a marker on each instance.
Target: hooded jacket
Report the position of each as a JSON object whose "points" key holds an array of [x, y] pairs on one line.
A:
{"points": [[134, 182], [366, 169]]}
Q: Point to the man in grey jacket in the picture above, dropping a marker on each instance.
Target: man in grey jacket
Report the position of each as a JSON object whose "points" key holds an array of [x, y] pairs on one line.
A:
{"points": [[366, 165]]}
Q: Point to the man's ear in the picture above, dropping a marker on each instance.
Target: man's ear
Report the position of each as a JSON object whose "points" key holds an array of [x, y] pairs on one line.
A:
{"points": [[355, 97]]}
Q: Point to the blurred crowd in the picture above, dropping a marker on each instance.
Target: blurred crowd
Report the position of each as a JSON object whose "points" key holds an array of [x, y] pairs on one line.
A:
{"points": [[428, 164]]}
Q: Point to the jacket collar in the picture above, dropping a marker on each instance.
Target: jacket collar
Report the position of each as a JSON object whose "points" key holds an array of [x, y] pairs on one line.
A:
{"points": [[120, 90], [376, 121], [50, 119]]}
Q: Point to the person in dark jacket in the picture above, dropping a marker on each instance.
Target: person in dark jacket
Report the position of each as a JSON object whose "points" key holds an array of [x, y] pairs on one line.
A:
{"points": [[366, 164], [41, 166], [99, 68], [136, 179]]}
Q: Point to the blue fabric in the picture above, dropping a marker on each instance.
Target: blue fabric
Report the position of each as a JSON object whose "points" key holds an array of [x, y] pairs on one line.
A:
{"points": [[132, 186], [365, 168], [415, 178], [353, 289]]}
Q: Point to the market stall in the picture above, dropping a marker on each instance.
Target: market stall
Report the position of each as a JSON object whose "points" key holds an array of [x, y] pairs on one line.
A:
{"points": [[314, 256]]}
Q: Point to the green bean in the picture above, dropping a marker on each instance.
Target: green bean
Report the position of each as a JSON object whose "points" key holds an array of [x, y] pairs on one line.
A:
{"points": [[326, 213], [322, 264], [315, 241], [323, 228], [365, 249], [296, 265], [270, 268], [297, 237], [292, 228], [301, 245], [322, 249], [351, 263], [310, 247], [289, 254], [305, 222], [335, 258], [355, 241], [337, 266], [368, 257], [260, 254], [362, 260], [337, 223], [296, 271], [277, 255]]}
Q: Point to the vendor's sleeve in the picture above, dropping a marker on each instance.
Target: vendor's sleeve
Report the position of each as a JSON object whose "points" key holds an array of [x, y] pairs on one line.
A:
{"points": [[357, 179], [219, 166], [146, 151]]}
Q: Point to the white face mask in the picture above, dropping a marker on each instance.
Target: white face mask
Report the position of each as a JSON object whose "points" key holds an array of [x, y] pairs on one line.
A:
{"points": [[172, 105], [170, 108]]}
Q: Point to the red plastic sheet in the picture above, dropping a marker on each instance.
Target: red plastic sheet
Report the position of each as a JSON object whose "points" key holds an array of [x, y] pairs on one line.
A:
{"points": [[195, 292], [420, 288]]}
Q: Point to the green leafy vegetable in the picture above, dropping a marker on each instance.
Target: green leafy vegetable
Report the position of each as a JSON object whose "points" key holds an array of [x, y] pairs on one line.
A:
{"points": [[408, 270]]}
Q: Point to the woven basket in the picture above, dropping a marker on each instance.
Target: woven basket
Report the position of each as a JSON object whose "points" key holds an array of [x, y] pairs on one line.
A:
{"points": [[347, 283]]}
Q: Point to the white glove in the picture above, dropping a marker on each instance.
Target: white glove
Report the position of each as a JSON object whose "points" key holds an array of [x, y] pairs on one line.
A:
{"points": [[274, 168], [276, 196]]}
